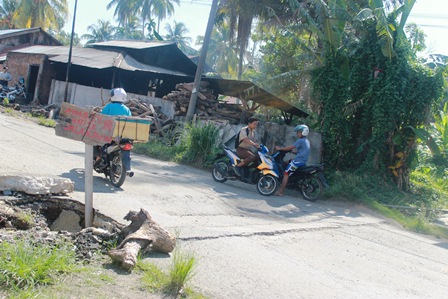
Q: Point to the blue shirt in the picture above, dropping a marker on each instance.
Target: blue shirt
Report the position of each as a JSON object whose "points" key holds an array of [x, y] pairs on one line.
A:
{"points": [[114, 108], [303, 150]]}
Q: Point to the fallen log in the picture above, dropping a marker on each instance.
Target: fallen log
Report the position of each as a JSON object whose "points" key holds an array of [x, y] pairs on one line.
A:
{"points": [[141, 234]]}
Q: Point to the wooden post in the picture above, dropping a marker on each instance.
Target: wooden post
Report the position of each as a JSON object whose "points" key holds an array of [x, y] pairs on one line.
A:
{"points": [[201, 62], [88, 185]]}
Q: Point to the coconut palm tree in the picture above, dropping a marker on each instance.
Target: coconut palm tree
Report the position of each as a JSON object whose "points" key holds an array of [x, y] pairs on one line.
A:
{"points": [[162, 9], [6, 13], [46, 14], [100, 32], [131, 30], [124, 12], [241, 15], [176, 34], [222, 54]]}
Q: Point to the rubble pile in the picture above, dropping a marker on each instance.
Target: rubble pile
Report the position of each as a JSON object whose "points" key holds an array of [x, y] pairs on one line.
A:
{"points": [[55, 221], [207, 106], [32, 218]]}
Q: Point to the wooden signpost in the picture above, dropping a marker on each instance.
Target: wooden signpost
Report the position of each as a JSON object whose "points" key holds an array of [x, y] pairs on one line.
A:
{"points": [[92, 129]]}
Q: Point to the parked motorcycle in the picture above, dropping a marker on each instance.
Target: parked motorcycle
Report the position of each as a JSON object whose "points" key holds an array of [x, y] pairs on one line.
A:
{"points": [[264, 174], [308, 180], [11, 93], [115, 161]]}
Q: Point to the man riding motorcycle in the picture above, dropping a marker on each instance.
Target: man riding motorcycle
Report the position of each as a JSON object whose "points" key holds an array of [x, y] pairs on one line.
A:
{"points": [[246, 145], [302, 145], [115, 107]]}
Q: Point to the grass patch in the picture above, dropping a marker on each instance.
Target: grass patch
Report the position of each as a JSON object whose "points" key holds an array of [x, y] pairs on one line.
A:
{"points": [[43, 121], [25, 265], [378, 195], [156, 148], [192, 145], [9, 111], [174, 281]]}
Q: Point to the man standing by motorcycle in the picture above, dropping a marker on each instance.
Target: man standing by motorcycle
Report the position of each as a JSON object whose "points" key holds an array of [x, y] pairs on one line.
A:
{"points": [[115, 107], [302, 145], [247, 145], [5, 77]]}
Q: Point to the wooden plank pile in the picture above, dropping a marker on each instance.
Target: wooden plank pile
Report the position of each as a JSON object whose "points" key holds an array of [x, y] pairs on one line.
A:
{"points": [[148, 111], [207, 106]]}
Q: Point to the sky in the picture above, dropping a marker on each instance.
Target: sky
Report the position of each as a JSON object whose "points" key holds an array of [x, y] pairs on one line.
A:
{"points": [[430, 15], [193, 13]]}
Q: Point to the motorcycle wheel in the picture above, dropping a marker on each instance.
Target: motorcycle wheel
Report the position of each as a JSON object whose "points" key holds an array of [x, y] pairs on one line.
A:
{"points": [[217, 176], [267, 185], [312, 189], [117, 173]]}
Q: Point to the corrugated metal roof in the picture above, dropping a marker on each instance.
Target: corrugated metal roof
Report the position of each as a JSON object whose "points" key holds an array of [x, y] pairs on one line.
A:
{"points": [[126, 44], [9, 32], [251, 92], [94, 58], [17, 32]]}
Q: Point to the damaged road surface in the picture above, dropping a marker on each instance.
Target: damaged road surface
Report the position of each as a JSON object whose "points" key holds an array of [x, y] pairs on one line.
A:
{"points": [[247, 245]]}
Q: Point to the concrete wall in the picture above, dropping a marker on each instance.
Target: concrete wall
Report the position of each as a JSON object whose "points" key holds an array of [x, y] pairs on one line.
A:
{"points": [[19, 66], [86, 96], [270, 134]]}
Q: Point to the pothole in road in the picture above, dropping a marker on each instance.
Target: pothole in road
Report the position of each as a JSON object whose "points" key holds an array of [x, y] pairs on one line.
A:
{"points": [[52, 220]]}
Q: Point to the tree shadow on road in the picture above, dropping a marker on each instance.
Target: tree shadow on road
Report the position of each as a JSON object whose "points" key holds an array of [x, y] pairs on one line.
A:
{"points": [[100, 183], [289, 206]]}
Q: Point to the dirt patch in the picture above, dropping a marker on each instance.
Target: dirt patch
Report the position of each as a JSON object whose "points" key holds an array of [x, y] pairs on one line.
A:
{"points": [[30, 217]]}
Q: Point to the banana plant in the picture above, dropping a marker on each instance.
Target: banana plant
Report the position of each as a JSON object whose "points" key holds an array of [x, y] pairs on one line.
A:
{"points": [[385, 29]]}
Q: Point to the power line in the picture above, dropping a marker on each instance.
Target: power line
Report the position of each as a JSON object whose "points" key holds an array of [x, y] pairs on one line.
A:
{"points": [[428, 16], [199, 2]]}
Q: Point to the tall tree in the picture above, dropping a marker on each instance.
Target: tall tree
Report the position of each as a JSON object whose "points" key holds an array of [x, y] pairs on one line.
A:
{"points": [[162, 9], [131, 30], [176, 34], [44, 13], [6, 13], [124, 13], [100, 32], [242, 13], [416, 37], [222, 54]]}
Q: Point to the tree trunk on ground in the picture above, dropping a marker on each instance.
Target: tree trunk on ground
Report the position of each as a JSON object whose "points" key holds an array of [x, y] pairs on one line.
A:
{"points": [[142, 233]]}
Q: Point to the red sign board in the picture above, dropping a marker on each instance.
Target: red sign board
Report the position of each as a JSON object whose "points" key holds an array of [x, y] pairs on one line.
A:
{"points": [[84, 125]]}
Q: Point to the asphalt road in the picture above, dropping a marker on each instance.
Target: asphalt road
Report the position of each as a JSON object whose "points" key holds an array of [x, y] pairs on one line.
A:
{"points": [[247, 245]]}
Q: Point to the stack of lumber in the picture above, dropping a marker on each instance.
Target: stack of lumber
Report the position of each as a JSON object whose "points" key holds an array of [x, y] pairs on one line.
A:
{"points": [[148, 111], [207, 106]]}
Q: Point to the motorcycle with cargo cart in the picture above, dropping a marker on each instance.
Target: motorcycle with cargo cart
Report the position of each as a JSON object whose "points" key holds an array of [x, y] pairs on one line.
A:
{"points": [[115, 157]]}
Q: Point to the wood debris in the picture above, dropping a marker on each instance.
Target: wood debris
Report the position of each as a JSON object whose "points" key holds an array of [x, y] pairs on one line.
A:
{"points": [[143, 232], [207, 106]]}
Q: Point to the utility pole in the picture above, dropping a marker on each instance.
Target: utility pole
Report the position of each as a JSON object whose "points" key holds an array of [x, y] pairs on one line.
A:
{"points": [[198, 76], [70, 52]]}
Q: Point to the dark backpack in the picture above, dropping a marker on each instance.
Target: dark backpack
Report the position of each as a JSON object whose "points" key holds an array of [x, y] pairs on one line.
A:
{"points": [[237, 137]]}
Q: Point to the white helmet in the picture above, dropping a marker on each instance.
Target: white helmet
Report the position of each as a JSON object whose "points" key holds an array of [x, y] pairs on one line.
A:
{"points": [[118, 95], [304, 128]]}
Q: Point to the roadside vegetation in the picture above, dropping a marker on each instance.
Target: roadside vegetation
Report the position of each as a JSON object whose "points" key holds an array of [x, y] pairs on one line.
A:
{"points": [[33, 270], [415, 209], [383, 114]]}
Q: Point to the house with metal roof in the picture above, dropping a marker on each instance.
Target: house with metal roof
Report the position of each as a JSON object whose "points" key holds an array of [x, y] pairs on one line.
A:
{"points": [[12, 39], [143, 68]]}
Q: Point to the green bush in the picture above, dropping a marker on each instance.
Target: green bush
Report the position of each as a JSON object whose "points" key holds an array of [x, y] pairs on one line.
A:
{"points": [[158, 149], [200, 143], [194, 145]]}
